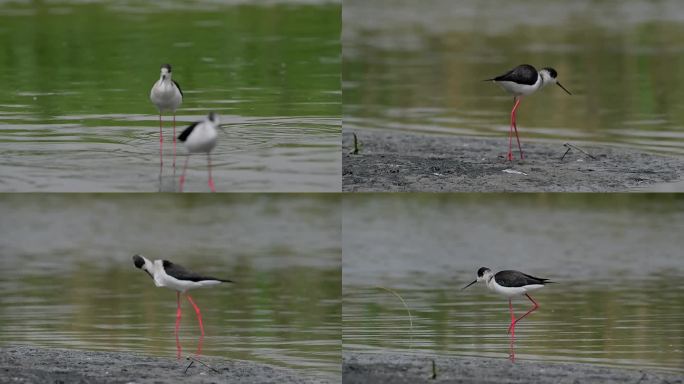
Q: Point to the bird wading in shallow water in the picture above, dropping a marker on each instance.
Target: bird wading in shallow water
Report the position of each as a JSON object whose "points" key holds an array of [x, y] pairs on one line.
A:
{"points": [[510, 284], [200, 137], [173, 276], [521, 81], [167, 96]]}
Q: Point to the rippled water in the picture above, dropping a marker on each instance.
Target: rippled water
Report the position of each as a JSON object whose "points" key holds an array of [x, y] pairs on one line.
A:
{"points": [[75, 113], [417, 67], [616, 261], [67, 278]]}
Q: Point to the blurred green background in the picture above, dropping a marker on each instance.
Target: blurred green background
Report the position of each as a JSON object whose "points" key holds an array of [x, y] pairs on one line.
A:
{"points": [[77, 75]]}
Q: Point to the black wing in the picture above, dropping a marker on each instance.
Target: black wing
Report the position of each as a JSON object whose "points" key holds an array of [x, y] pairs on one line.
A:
{"points": [[517, 279], [187, 131], [181, 273], [536, 280], [179, 88], [522, 74]]}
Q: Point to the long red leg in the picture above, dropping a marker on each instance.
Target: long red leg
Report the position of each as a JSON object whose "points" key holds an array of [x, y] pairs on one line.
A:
{"points": [[178, 318], [174, 139], [510, 131], [211, 180], [161, 141], [536, 305], [182, 178], [511, 328], [515, 127], [199, 319], [199, 314]]}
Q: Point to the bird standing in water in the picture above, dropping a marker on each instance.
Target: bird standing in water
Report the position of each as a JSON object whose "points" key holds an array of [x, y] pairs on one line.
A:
{"points": [[200, 137], [167, 96], [510, 284], [173, 276]]}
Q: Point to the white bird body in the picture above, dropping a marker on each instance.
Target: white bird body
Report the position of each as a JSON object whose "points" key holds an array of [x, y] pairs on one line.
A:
{"points": [[200, 137], [186, 280], [520, 89], [166, 94], [493, 286], [203, 136]]}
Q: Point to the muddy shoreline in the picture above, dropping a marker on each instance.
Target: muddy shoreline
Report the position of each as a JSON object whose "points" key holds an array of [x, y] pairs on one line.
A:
{"points": [[401, 162], [27, 364], [360, 368]]}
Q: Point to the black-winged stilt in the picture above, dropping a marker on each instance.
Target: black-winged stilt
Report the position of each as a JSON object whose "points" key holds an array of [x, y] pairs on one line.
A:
{"points": [[521, 81], [200, 137], [167, 96], [173, 276], [509, 284]]}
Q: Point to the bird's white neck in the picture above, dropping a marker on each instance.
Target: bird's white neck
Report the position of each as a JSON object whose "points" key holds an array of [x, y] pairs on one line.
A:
{"points": [[545, 79], [489, 280]]}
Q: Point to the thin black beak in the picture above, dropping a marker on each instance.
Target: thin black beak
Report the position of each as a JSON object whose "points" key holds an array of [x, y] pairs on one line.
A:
{"points": [[469, 285], [559, 84]]}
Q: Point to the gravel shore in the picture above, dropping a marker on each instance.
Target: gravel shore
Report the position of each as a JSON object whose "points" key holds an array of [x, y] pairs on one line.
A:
{"points": [[26, 364], [404, 369], [416, 163]]}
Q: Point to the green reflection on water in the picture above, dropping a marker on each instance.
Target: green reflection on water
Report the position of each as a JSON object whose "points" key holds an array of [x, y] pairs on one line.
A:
{"points": [[288, 316], [637, 323], [68, 280], [72, 59]]}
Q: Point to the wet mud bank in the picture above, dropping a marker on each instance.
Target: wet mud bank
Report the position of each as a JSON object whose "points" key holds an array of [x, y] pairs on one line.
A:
{"points": [[360, 368], [26, 364], [416, 163]]}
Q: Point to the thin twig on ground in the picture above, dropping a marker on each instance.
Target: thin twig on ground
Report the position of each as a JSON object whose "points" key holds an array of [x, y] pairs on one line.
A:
{"points": [[193, 360], [573, 146], [355, 151]]}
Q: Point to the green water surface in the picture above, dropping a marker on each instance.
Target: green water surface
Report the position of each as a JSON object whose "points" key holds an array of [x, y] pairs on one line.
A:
{"points": [[75, 113]]}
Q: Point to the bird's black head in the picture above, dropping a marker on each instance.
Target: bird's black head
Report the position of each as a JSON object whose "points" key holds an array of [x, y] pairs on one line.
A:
{"points": [[552, 72], [214, 118], [138, 261], [481, 271], [549, 76], [480, 276], [167, 66]]}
